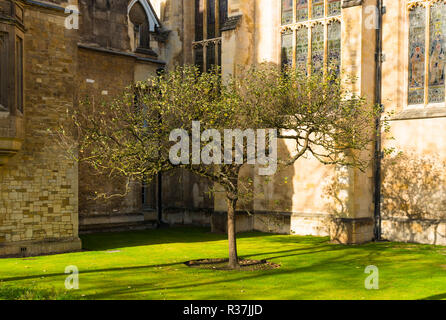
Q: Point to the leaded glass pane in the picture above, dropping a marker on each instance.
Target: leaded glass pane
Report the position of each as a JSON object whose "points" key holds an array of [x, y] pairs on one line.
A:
{"points": [[317, 47], [301, 10], [211, 19], [437, 53], [223, 13], [417, 49], [317, 9], [287, 11], [19, 73], [199, 58], [334, 7], [334, 46], [302, 48], [287, 48], [199, 9], [210, 56]]}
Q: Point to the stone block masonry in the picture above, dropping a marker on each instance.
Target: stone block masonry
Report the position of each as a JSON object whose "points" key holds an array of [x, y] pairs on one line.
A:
{"points": [[38, 186]]}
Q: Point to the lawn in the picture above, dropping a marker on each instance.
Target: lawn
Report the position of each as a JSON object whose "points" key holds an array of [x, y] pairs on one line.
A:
{"points": [[150, 265]]}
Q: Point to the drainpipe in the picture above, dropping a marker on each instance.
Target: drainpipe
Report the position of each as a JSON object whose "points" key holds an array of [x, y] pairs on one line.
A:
{"points": [[378, 138]]}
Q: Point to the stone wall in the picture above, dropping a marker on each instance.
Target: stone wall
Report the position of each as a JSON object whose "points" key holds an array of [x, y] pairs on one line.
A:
{"points": [[104, 76], [38, 187], [414, 188]]}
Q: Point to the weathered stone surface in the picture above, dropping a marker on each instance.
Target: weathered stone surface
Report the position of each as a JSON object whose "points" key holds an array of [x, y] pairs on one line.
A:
{"points": [[38, 186]]}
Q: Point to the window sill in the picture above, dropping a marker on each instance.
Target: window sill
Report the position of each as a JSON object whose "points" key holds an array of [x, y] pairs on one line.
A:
{"points": [[146, 51], [421, 113]]}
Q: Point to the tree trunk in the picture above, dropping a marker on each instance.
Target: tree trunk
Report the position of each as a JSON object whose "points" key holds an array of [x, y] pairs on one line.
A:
{"points": [[232, 241]]}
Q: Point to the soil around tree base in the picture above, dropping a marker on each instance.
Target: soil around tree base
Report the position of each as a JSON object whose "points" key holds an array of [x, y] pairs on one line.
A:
{"points": [[222, 264]]}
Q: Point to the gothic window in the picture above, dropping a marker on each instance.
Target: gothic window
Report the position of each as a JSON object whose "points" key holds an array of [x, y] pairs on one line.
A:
{"points": [[287, 48], [4, 62], [199, 10], [427, 50], [317, 9], [141, 28], [302, 48], [317, 47], [209, 17], [287, 11], [11, 58], [19, 73], [301, 10], [316, 25], [437, 33], [334, 8], [334, 46]]}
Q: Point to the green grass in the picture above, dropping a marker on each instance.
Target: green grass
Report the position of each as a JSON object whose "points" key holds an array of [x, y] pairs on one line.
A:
{"points": [[149, 265]]}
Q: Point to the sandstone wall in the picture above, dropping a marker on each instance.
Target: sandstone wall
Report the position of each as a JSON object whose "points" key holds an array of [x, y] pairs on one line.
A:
{"points": [[38, 187]]}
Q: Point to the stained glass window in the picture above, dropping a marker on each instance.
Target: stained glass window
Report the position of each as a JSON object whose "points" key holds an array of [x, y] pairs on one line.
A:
{"points": [[334, 46], [317, 9], [334, 7], [301, 10], [302, 48], [437, 57], [287, 48], [417, 20], [317, 43], [287, 11], [317, 47]]}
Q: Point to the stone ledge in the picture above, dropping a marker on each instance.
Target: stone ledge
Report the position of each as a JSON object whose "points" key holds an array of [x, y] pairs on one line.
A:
{"points": [[119, 53], [110, 218], [231, 23], [36, 248], [424, 113], [351, 3]]}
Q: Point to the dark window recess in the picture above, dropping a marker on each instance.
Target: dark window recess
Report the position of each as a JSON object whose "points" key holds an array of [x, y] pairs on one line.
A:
{"points": [[211, 19], [19, 73], [142, 38], [4, 55], [219, 54], [199, 10], [223, 13], [210, 57], [199, 59]]}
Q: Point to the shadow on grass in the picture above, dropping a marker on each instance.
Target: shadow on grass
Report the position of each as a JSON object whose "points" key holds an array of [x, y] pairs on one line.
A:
{"points": [[107, 241], [435, 297], [47, 275]]}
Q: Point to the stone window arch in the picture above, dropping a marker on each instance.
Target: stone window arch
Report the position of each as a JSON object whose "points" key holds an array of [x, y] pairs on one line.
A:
{"points": [[144, 23]]}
